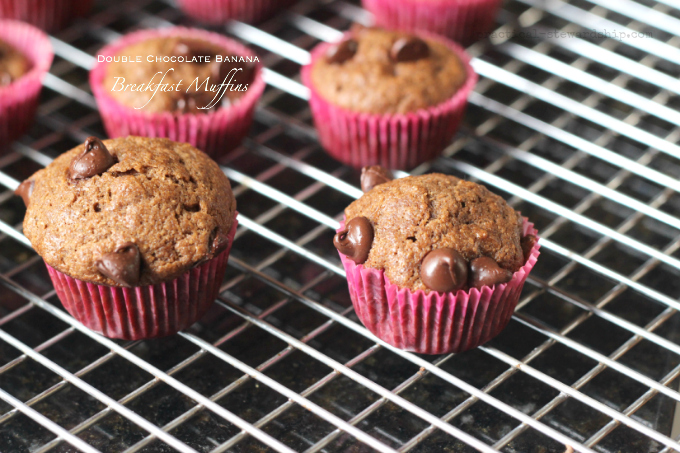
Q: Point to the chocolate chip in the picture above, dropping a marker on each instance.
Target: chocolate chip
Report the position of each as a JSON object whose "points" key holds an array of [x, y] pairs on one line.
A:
{"points": [[485, 271], [409, 49], [25, 190], [373, 176], [122, 265], [444, 270], [220, 243], [355, 240], [527, 243], [341, 52], [95, 160], [190, 51]]}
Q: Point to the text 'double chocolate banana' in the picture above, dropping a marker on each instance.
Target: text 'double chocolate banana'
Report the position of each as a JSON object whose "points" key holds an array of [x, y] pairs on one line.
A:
{"points": [[485, 271], [444, 270], [122, 265], [94, 160], [355, 240]]}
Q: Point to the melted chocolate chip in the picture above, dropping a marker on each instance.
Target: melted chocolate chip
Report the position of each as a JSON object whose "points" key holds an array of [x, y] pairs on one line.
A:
{"points": [[527, 243], [355, 240], [342, 51], [373, 176], [444, 270], [485, 271], [122, 265], [25, 190], [219, 244], [192, 51], [95, 160], [409, 49]]}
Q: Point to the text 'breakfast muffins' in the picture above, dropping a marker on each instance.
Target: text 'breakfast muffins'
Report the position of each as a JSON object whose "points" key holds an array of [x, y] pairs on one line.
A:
{"points": [[185, 84], [25, 57], [135, 232], [435, 264], [464, 21], [387, 98]]}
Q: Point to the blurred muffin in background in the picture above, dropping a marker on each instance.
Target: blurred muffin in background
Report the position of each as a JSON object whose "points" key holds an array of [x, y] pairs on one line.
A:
{"points": [[49, 15]]}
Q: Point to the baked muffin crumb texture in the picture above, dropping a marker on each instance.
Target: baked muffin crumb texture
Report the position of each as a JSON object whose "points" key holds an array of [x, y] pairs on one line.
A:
{"points": [[168, 199], [415, 215]]}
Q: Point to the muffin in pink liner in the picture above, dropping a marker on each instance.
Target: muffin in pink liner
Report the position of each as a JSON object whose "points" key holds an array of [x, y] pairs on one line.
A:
{"points": [[221, 11], [179, 114], [19, 99], [464, 21], [388, 98], [135, 233], [144, 311], [482, 265], [49, 15]]}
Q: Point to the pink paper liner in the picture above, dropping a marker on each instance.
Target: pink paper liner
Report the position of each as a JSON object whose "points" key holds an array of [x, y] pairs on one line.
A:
{"points": [[49, 15], [464, 21], [216, 133], [434, 323], [400, 141], [144, 311], [19, 99], [220, 11]]}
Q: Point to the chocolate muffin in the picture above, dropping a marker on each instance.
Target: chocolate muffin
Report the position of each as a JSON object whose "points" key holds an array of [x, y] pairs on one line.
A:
{"points": [[13, 64], [414, 216], [388, 72], [434, 264], [170, 201], [176, 59]]}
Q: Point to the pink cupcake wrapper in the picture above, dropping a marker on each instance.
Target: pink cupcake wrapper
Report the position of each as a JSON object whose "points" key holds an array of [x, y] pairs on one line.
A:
{"points": [[434, 323], [216, 133], [400, 141], [464, 21], [49, 15], [19, 99], [220, 11], [144, 311]]}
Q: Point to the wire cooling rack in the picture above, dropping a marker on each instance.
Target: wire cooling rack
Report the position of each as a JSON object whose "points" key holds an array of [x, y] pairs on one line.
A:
{"points": [[574, 120]]}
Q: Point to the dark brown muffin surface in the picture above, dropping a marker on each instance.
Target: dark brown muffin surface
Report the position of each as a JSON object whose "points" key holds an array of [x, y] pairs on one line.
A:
{"points": [[387, 72], [415, 215], [169, 200], [194, 59], [13, 64]]}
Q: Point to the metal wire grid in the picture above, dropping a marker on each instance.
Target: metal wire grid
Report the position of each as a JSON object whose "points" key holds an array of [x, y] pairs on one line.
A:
{"points": [[590, 359]]}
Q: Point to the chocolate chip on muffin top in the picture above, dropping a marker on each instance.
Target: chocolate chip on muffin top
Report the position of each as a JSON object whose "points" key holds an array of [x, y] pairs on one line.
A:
{"points": [[129, 211], [434, 232], [13, 64], [387, 72]]}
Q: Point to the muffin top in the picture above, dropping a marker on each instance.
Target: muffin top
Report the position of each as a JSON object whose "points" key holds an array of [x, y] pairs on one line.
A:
{"points": [[101, 206], [436, 221], [13, 64], [188, 60], [387, 72]]}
